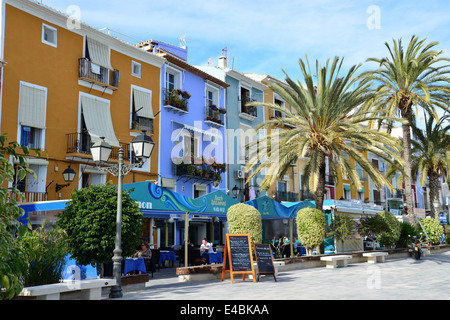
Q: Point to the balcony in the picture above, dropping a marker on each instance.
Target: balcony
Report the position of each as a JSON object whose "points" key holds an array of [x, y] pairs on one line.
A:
{"points": [[79, 144], [99, 77], [30, 196], [329, 180], [248, 112], [306, 194], [287, 196], [214, 116], [176, 100], [199, 171]]}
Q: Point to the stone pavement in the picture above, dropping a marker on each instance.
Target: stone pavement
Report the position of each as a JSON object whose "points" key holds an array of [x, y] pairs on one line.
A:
{"points": [[396, 279]]}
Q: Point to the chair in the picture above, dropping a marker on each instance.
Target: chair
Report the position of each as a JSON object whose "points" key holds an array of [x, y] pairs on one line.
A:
{"points": [[150, 265], [155, 259], [178, 253]]}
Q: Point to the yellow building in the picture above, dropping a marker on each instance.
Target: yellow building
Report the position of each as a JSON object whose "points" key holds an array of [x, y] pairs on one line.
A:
{"points": [[288, 187], [65, 85]]}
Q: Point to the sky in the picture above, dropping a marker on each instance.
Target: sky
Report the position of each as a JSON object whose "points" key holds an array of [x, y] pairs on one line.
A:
{"points": [[268, 36]]}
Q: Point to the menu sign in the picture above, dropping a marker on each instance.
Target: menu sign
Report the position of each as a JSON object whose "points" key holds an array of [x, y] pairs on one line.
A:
{"points": [[237, 256], [264, 260]]}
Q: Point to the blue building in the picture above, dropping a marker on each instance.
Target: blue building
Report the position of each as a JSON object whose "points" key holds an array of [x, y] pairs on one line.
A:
{"points": [[192, 138], [240, 121]]}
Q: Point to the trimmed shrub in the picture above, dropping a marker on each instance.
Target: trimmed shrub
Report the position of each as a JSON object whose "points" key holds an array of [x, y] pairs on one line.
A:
{"points": [[243, 218], [433, 229], [391, 235], [310, 227]]}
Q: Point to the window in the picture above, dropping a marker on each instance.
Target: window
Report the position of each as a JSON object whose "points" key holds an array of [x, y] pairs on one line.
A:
{"points": [[173, 78], [347, 192], [32, 115], [209, 98], [170, 81], [361, 194], [33, 187], [135, 69], [96, 117], [48, 35], [278, 114], [192, 146], [31, 137], [141, 109]]}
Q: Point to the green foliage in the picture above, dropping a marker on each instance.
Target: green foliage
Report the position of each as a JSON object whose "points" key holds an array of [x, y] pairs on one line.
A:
{"points": [[13, 263], [310, 227], [406, 232], [244, 218], [371, 226], [391, 235], [433, 229], [341, 227], [90, 223], [46, 249]]}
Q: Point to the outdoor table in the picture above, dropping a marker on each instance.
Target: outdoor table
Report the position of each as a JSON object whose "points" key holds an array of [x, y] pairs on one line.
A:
{"points": [[213, 257], [134, 264], [166, 255]]}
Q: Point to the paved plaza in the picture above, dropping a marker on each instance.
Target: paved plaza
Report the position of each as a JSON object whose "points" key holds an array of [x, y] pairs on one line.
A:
{"points": [[396, 279]]}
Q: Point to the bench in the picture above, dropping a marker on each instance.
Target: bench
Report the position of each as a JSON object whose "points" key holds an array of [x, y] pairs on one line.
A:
{"points": [[374, 257], [336, 261], [89, 289]]}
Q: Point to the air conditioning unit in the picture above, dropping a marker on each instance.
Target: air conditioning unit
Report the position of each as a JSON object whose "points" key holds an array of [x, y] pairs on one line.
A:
{"points": [[239, 174]]}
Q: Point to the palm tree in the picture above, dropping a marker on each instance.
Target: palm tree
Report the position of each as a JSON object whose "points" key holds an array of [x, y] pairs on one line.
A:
{"points": [[431, 156], [327, 122], [412, 77]]}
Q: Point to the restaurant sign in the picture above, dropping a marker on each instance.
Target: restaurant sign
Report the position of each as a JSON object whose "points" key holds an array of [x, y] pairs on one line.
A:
{"points": [[153, 197]]}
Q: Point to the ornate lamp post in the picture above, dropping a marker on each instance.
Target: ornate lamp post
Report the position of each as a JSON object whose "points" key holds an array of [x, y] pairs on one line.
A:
{"points": [[101, 150]]}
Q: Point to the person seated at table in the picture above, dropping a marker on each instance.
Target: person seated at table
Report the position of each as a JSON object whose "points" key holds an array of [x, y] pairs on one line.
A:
{"points": [[206, 246], [146, 253]]}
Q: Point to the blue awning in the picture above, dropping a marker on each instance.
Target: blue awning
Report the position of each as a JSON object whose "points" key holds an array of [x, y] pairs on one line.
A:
{"points": [[41, 206]]}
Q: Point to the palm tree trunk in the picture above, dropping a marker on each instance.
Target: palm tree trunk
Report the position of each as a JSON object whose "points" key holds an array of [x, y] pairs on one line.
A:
{"points": [[319, 194], [434, 195], [406, 128]]}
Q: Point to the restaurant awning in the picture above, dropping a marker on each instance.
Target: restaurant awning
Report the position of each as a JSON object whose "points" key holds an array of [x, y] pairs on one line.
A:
{"points": [[41, 206], [158, 202], [271, 209]]}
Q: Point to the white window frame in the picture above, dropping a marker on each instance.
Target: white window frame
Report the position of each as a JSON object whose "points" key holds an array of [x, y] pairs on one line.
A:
{"points": [[215, 92], [54, 30], [346, 192], [19, 126], [133, 87], [138, 65], [177, 77], [283, 103]]}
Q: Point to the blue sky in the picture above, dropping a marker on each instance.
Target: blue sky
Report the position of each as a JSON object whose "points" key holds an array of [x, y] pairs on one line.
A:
{"points": [[265, 36]]}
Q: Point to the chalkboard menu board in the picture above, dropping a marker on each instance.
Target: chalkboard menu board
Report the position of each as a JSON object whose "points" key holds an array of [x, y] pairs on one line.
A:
{"points": [[237, 256], [264, 260]]}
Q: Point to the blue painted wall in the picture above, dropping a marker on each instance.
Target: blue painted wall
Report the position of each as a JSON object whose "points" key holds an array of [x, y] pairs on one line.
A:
{"points": [[172, 123]]}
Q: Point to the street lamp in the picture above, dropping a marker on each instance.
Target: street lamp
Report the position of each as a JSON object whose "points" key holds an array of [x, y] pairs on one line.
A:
{"points": [[235, 191], [101, 150], [68, 176]]}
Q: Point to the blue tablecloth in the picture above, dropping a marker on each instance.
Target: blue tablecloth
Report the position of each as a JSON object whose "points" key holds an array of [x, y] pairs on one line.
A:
{"points": [[166, 255], [134, 264], [213, 257]]}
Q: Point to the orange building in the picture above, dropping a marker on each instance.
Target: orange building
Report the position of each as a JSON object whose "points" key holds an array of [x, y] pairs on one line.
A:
{"points": [[65, 85]]}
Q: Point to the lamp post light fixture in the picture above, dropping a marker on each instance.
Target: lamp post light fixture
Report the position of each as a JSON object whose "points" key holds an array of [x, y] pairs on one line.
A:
{"points": [[101, 150], [68, 175], [235, 191]]}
